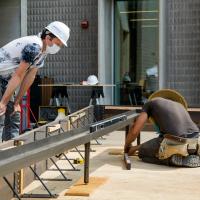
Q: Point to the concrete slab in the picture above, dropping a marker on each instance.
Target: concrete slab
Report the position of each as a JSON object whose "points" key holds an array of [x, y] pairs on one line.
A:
{"points": [[143, 182]]}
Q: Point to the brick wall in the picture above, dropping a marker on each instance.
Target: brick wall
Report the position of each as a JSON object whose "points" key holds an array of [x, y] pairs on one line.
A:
{"points": [[79, 59], [183, 48]]}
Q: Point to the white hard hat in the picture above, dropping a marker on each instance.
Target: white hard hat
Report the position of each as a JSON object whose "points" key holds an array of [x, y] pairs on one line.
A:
{"points": [[60, 30], [92, 80]]}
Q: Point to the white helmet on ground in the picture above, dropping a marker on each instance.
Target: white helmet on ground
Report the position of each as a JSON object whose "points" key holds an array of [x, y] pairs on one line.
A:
{"points": [[60, 30], [92, 80]]}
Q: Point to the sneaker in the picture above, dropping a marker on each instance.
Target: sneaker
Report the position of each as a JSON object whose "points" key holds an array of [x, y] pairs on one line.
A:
{"points": [[188, 161]]}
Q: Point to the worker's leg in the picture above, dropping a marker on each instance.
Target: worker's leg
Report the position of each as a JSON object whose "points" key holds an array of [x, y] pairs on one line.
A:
{"points": [[2, 117], [11, 123], [148, 152]]}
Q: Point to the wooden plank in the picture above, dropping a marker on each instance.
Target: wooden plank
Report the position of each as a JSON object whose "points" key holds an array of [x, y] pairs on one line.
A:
{"points": [[72, 119], [193, 109], [116, 152], [76, 117], [122, 107], [46, 92], [98, 85], [20, 174], [82, 189], [51, 129], [140, 107], [20, 181], [6, 148], [6, 144], [75, 85]]}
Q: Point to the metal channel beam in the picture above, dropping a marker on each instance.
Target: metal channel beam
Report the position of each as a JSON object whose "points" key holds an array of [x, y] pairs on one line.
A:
{"points": [[20, 157], [30, 133]]}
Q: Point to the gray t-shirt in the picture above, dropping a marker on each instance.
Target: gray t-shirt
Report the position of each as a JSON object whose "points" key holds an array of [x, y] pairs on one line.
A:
{"points": [[26, 48], [171, 117]]}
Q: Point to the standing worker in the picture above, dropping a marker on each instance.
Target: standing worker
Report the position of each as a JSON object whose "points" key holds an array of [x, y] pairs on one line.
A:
{"points": [[177, 143], [19, 63]]}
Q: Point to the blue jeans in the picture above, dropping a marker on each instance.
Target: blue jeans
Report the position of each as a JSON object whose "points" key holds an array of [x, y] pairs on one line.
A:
{"points": [[9, 123]]}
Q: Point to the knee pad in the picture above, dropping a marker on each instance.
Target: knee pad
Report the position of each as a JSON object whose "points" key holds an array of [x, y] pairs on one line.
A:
{"points": [[184, 147], [169, 147]]}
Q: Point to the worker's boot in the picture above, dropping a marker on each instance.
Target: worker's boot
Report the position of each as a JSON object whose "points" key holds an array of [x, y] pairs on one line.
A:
{"points": [[185, 161]]}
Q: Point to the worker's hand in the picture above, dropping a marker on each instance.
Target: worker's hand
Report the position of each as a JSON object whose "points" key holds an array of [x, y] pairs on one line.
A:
{"points": [[133, 151], [127, 148], [2, 108], [16, 108]]}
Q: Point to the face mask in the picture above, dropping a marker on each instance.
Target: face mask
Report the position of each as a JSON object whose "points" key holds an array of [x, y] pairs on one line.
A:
{"points": [[52, 49]]}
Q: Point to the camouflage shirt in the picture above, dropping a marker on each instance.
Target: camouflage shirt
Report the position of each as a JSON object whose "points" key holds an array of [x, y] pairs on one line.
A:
{"points": [[26, 49]]}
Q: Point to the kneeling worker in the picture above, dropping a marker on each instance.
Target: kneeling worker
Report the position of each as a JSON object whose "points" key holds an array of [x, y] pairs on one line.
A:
{"points": [[177, 144]]}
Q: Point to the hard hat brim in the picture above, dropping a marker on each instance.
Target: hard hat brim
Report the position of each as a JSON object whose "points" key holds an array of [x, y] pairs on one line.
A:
{"points": [[170, 94], [64, 42]]}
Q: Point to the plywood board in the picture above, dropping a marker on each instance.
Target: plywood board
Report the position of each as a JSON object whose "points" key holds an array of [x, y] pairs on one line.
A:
{"points": [[119, 152], [116, 151], [82, 189]]}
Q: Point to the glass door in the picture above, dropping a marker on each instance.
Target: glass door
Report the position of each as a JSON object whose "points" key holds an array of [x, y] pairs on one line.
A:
{"points": [[136, 33]]}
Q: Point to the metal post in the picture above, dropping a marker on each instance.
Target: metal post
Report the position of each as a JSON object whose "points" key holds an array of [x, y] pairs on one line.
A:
{"points": [[87, 162], [50, 194], [163, 45], [65, 178], [79, 153], [126, 158], [74, 168], [97, 142], [14, 183], [138, 139], [10, 186], [126, 131], [67, 102]]}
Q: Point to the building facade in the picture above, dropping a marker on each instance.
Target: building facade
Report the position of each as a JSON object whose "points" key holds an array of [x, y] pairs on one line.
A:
{"points": [[134, 38]]}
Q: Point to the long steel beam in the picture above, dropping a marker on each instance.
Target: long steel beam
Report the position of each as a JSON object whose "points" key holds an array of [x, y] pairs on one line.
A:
{"points": [[20, 157]]}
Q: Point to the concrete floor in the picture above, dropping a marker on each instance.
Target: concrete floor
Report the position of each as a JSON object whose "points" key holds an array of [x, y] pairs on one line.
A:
{"points": [[143, 182]]}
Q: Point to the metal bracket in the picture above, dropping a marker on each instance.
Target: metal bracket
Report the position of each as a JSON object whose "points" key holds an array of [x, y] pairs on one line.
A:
{"points": [[126, 158], [19, 196]]}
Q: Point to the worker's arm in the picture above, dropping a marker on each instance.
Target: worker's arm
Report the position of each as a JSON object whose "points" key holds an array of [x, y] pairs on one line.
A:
{"points": [[135, 130], [13, 83], [26, 83]]}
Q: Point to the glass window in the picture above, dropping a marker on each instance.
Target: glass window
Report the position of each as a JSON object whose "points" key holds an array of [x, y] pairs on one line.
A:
{"points": [[136, 33], [10, 11]]}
